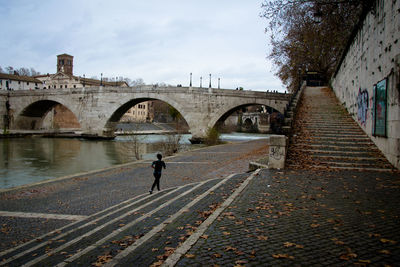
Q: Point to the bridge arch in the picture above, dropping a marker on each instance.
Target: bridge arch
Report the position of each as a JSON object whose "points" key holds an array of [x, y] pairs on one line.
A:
{"points": [[117, 114], [220, 117], [32, 116]]}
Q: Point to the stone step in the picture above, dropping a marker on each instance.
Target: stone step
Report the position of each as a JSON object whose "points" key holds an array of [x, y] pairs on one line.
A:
{"points": [[341, 143], [331, 126], [349, 164], [333, 123], [349, 154], [342, 139], [337, 136], [337, 148], [162, 217], [325, 167], [369, 160], [336, 131]]}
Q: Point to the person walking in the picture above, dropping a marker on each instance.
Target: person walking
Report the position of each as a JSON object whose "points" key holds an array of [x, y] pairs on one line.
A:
{"points": [[157, 166]]}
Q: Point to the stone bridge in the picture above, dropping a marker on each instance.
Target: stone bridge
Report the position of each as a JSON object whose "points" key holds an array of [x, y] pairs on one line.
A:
{"points": [[99, 109]]}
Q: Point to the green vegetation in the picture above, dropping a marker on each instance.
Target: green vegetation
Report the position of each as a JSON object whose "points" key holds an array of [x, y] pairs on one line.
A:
{"points": [[212, 137]]}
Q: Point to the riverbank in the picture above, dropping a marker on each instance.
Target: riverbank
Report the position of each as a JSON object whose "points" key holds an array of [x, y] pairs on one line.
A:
{"points": [[87, 193]]}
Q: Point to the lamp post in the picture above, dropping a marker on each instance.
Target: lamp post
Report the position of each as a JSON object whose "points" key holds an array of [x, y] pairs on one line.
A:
{"points": [[116, 84], [219, 83], [101, 79], [190, 85], [201, 79], [209, 86], [83, 80]]}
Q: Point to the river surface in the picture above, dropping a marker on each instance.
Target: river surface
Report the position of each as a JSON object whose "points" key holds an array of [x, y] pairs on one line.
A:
{"points": [[31, 160]]}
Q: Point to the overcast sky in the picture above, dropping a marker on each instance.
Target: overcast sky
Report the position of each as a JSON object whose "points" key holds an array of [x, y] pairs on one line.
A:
{"points": [[156, 40]]}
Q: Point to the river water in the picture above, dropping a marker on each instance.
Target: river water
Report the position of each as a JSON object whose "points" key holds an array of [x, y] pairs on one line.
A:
{"points": [[30, 160]]}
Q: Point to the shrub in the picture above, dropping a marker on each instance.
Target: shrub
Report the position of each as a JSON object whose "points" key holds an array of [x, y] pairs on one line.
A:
{"points": [[212, 136]]}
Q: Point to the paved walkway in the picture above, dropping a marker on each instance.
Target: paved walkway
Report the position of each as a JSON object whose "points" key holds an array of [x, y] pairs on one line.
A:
{"points": [[305, 218], [268, 218]]}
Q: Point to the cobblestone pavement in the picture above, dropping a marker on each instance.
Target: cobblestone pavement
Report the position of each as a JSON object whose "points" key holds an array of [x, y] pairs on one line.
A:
{"points": [[87, 194], [264, 218], [305, 218]]}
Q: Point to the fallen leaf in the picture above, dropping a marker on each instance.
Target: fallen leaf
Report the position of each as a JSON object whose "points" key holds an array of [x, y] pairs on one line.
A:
{"points": [[229, 248], [262, 237], [190, 256], [384, 240], [282, 256]]}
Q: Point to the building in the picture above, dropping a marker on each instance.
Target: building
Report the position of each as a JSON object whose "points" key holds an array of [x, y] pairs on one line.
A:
{"points": [[138, 113], [15, 82], [64, 77]]}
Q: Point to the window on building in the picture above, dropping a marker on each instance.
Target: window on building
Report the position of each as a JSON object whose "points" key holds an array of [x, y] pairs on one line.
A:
{"points": [[27, 83], [74, 85], [19, 82], [60, 86], [65, 86]]}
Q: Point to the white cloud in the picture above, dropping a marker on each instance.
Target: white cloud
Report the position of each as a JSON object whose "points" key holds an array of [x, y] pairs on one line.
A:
{"points": [[159, 41]]}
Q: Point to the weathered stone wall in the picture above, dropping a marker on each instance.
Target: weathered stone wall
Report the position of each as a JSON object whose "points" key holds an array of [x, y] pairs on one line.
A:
{"points": [[374, 55], [99, 109]]}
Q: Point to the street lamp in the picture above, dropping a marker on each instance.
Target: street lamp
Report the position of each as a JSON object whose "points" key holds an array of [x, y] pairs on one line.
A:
{"points": [[101, 79], [201, 79], [219, 81], [209, 86], [83, 80], [116, 78], [190, 80]]}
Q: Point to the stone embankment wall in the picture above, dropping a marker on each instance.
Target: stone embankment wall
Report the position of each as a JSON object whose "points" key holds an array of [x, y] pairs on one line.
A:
{"points": [[367, 81]]}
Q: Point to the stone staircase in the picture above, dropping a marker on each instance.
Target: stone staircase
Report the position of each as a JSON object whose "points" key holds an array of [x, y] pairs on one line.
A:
{"points": [[326, 137]]}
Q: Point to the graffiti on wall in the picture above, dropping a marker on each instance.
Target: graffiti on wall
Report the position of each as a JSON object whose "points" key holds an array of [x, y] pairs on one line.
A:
{"points": [[362, 103], [379, 110]]}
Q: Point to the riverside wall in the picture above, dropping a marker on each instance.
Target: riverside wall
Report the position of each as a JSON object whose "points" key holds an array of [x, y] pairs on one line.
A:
{"points": [[369, 72]]}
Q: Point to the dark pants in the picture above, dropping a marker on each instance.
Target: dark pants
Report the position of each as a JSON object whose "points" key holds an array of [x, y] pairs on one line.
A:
{"points": [[157, 176]]}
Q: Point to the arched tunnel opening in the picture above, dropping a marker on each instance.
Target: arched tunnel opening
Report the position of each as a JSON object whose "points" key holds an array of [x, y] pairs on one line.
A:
{"points": [[148, 124], [250, 118], [145, 114], [47, 115]]}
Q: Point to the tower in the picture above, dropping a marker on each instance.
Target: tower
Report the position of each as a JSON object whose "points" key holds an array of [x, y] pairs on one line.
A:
{"points": [[65, 64]]}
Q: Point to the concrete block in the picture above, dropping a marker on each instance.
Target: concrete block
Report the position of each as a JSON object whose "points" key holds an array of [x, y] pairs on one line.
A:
{"points": [[277, 151]]}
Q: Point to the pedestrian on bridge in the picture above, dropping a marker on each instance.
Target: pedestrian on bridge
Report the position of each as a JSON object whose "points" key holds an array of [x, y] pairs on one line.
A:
{"points": [[157, 166]]}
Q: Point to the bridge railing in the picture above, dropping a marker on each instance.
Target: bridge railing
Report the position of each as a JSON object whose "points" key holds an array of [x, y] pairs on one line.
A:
{"points": [[153, 88]]}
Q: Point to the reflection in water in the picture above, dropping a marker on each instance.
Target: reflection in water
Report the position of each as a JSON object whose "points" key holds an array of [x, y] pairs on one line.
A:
{"points": [[30, 160]]}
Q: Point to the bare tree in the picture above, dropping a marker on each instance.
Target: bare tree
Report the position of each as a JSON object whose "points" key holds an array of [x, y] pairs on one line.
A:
{"points": [[309, 34], [10, 70]]}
